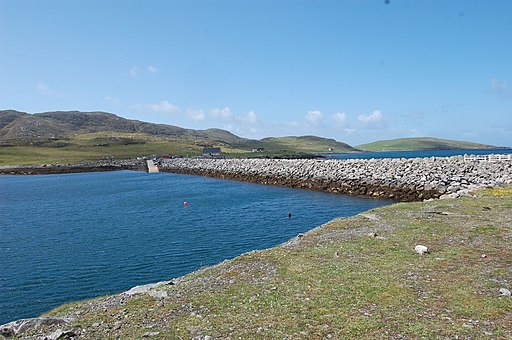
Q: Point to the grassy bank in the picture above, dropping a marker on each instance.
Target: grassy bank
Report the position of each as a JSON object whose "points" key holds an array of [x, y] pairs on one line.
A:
{"points": [[354, 277]]}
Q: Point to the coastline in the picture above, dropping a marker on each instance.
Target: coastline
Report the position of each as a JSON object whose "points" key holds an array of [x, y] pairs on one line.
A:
{"points": [[362, 275], [412, 179], [403, 179], [47, 169]]}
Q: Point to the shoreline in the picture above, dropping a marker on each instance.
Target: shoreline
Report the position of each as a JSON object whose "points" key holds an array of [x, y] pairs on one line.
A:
{"points": [[175, 307], [402, 179], [412, 179], [49, 169]]}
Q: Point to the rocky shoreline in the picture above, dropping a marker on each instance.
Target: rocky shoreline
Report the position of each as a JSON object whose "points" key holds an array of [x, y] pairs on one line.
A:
{"points": [[412, 179], [45, 169]]}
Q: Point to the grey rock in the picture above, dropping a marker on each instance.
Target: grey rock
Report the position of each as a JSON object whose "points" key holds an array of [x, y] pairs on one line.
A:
{"points": [[21, 326], [505, 292], [150, 334]]}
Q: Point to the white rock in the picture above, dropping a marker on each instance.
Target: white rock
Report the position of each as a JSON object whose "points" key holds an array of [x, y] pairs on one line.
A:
{"points": [[421, 249], [505, 292]]}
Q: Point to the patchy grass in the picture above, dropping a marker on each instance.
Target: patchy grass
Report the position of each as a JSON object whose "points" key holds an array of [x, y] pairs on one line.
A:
{"points": [[116, 145], [96, 146], [337, 281]]}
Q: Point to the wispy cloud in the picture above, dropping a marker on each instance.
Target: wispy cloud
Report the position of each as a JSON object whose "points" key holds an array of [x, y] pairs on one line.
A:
{"points": [[224, 113], [195, 114], [112, 100], [341, 120], [374, 117], [214, 116], [314, 117], [164, 106], [153, 69], [500, 88], [134, 71], [48, 91]]}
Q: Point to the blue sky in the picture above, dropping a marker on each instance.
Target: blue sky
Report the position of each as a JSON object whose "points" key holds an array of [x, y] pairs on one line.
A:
{"points": [[353, 70]]}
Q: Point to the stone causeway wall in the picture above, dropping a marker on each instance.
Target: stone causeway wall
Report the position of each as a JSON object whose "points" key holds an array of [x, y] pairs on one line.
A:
{"points": [[402, 179]]}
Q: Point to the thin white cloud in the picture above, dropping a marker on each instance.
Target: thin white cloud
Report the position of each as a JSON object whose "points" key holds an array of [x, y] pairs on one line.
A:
{"points": [[112, 100], [250, 118], [165, 106], [214, 117], [48, 91], [134, 71], [195, 114], [314, 117], [341, 119], [374, 117], [223, 114], [500, 88], [153, 69]]}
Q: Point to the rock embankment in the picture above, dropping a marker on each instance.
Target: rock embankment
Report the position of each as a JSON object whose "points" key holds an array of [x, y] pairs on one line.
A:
{"points": [[402, 179], [110, 165]]}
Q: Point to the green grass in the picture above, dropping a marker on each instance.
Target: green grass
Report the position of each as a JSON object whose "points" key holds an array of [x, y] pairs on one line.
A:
{"points": [[306, 144], [115, 145], [420, 144], [337, 281], [96, 146]]}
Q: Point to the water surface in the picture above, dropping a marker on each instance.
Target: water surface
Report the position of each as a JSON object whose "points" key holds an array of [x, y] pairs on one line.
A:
{"points": [[76, 236], [418, 153]]}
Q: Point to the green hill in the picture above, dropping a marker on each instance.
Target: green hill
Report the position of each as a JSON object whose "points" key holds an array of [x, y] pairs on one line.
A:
{"points": [[304, 144], [74, 136], [20, 127], [422, 143]]}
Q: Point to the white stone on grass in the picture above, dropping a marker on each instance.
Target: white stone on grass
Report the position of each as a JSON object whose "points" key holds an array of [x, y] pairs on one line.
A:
{"points": [[422, 250]]}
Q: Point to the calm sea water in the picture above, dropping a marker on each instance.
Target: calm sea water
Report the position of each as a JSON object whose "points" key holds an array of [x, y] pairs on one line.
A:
{"points": [[413, 154], [76, 236]]}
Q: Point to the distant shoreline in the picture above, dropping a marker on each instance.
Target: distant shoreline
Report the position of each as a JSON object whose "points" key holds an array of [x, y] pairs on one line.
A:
{"points": [[48, 169]]}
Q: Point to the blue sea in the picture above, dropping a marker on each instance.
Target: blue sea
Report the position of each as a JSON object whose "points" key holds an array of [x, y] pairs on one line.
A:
{"points": [[76, 236], [414, 154]]}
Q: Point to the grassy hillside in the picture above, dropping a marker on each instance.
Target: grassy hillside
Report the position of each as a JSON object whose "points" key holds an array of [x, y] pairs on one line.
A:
{"points": [[424, 143], [352, 278], [117, 145], [20, 127], [73, 136], [305, 144], [95, 146]]}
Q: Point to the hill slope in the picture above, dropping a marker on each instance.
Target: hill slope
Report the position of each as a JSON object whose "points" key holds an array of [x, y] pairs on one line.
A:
{"points": [[22, 127], [73, 136], [305, 144], [422, 143]]}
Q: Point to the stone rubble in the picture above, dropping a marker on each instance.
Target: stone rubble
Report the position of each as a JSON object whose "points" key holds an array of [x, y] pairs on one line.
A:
{"points": [[412, 179]]}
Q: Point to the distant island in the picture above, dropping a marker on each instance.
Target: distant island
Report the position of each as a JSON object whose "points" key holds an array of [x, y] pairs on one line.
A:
{"points": [[74, 137], [421, 143]]}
